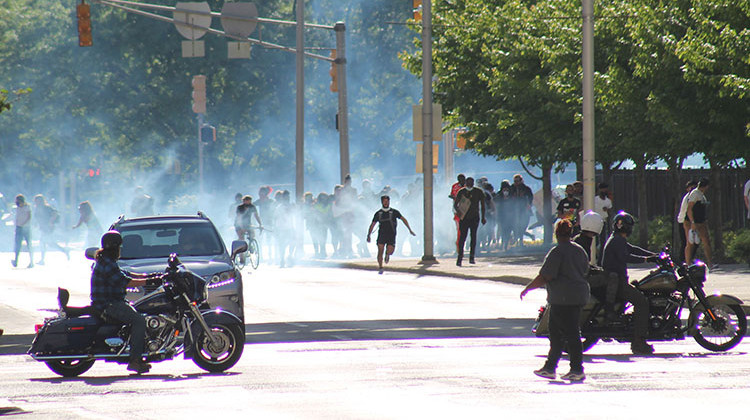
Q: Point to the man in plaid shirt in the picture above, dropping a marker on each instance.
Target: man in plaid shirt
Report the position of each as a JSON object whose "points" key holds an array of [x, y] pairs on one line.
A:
{"points": [[108, 289]]}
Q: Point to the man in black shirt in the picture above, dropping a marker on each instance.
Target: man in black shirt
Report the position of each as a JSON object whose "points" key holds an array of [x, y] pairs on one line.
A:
{"points": [[617, 254], [569, 207], [388, 219], [470, 217]]}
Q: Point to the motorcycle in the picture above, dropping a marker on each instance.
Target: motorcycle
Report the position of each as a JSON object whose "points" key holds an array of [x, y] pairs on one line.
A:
{"points": [[716, 322], [177, 322]]}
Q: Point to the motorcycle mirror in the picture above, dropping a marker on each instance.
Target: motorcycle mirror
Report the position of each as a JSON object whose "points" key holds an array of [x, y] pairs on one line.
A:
{"points": [[91, 252]]}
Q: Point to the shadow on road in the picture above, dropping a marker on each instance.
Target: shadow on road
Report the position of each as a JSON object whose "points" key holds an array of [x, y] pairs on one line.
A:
{"points": [[388, 329], [109, 380], [312, 331]]}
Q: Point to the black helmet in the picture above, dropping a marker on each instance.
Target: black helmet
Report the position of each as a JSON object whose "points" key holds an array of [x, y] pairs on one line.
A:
{"points": [[623, 222], [111, 239]]}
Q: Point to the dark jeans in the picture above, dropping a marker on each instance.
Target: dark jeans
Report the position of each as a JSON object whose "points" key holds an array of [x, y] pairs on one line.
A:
{"points": [[640, 309], [464, 226], [123, 312], [564, 327]]}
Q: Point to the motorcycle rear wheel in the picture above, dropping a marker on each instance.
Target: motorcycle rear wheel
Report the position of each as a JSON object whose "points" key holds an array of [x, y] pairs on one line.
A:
{"points": [[724, 333], [70, 368], [226, 352]]}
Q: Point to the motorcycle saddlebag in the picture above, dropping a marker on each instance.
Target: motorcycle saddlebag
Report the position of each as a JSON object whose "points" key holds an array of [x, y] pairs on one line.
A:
{"points": [[66, 336]]}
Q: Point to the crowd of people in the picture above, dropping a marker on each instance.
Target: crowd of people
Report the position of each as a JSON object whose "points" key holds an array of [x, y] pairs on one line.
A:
{"points": [[42, 221], [334, 223]]}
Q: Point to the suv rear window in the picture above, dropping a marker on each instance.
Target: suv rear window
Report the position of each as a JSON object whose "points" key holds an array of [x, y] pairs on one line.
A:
{"points": [[160, 240]]}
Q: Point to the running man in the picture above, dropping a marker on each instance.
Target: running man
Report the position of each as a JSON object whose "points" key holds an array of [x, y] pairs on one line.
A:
{"points": [[388, 219]]}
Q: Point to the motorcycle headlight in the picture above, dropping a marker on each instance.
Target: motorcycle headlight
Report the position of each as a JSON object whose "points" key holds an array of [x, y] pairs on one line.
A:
{"points": [[697, 272]]}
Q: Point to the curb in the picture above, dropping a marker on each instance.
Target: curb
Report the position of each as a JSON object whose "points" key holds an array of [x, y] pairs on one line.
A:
{"points": [[426, 271]]}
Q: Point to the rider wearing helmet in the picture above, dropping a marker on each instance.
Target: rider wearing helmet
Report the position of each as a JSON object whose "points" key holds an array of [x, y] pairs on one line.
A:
{"points": [[591, 226], [617, 254], [108, 289]]}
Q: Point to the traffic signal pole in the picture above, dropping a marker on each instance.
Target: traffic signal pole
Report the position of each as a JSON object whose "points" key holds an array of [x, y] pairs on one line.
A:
{"points": [[343, 111]]}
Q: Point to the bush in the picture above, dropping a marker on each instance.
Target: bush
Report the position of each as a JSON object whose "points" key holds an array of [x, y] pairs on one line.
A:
{"points": [[660, 232], [738, 248]]}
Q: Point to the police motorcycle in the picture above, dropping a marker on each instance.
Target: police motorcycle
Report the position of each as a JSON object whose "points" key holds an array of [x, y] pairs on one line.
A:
{"points": [[678, 307], [177, 322]]}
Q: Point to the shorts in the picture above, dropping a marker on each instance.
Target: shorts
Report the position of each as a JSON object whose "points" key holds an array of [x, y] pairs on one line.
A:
{"points": [[387, 240]]}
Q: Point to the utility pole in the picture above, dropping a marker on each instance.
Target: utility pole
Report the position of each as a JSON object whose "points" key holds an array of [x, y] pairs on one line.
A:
{"points": [[589, 160], [428, 255], [300, 142]]}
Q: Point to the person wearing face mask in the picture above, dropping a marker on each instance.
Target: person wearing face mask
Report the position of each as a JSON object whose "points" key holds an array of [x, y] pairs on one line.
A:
{"points": [[504, 214], [387, 217], [569, 207], [470, 217]]}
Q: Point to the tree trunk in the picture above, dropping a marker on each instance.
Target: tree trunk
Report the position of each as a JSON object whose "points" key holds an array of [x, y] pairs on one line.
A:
{"points": [[715, 212], [547, 203], [678, 190], [640, 182]]}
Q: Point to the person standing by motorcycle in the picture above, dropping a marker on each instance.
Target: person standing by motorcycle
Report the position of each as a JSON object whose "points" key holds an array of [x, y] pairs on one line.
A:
{"points": [[563, 273], [108, 289], [618, 252]]}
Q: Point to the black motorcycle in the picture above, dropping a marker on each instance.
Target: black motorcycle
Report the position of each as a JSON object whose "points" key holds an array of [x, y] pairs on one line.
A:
{"points": [[716, 322], [177, 322]]}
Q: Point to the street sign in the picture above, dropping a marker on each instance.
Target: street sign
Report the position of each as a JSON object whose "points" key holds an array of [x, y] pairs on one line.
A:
{"points": [[196, 21], [236, 19], [435, 156], [238, 49], [193, 48], [437, 122]]}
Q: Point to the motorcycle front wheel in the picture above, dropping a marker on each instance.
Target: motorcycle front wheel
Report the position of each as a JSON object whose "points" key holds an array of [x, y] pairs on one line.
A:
{"points": [[224, 352], [70, 368], [723, 333]]}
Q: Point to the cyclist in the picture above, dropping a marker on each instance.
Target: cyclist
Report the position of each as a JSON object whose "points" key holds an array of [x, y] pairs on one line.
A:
{"points": [[243, 220]]}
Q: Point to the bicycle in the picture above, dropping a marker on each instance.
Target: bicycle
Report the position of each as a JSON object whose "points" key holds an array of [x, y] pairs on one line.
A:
{"points": [[253, 251]]}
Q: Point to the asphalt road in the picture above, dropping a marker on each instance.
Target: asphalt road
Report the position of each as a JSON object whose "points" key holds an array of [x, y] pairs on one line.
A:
{"points": [[328, 342]]}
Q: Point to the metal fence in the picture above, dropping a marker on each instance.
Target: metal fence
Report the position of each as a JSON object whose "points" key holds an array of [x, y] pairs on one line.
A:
{"points": [[662, 199]]}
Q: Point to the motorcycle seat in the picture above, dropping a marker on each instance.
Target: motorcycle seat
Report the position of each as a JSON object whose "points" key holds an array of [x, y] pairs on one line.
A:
{"points": [[75, 311]]}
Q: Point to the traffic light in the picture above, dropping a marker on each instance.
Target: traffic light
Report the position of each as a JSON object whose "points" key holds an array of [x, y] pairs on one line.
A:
{"points": [[208, 133], [334, 73], [461, 138], [199, 94], [94, 172], [417, 9], [83, 13]]}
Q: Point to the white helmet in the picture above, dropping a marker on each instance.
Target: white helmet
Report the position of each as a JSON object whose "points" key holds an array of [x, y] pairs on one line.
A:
{"points": [[592, 222]]}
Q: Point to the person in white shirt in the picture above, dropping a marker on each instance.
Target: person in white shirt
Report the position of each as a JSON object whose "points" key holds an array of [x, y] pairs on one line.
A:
{"points": [[682, 219], [23, 229], [698, 215], [603, 205], [747, 198]]}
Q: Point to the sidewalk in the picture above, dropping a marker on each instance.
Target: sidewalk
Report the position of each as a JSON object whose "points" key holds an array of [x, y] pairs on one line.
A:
{"points": [[731, 279]]}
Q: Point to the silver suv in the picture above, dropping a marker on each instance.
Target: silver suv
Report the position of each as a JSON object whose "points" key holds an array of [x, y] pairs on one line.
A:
{"points": [[148, 241]]}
